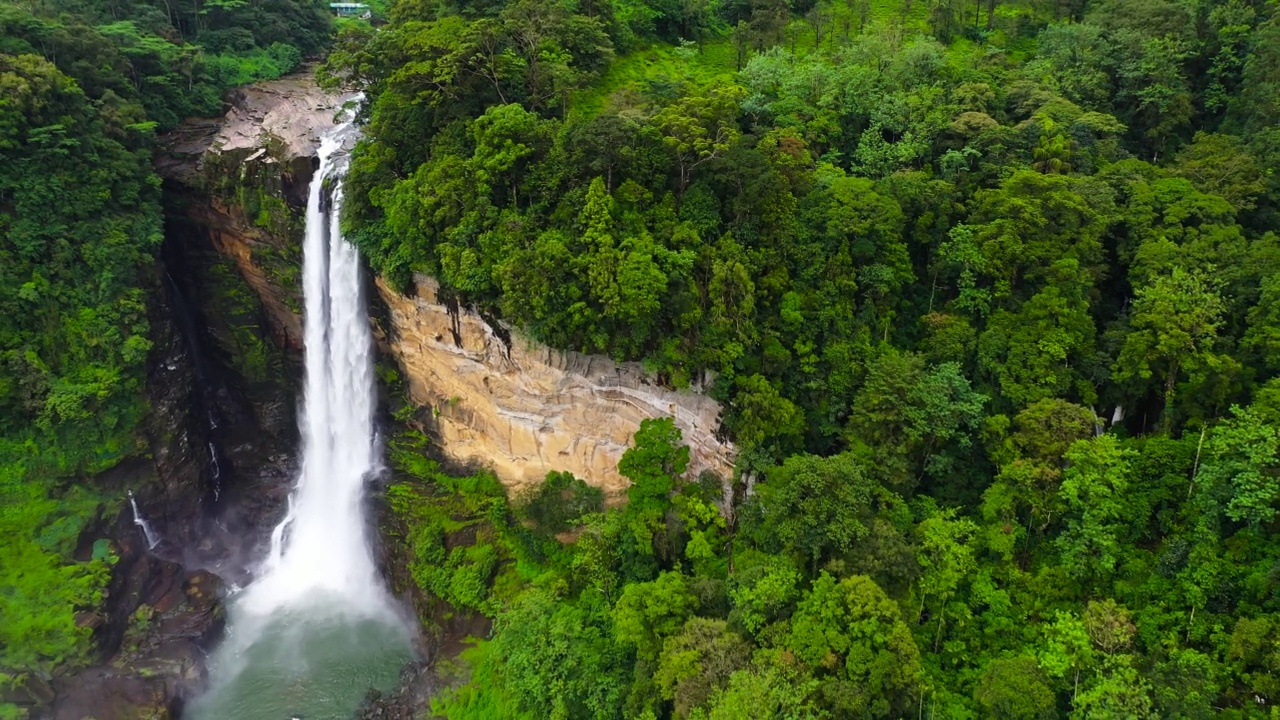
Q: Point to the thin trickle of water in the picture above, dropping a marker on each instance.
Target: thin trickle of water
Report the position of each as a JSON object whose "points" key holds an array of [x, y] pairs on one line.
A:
{"points": [[317, 627], [217, 470], [152, 538], [321, 546]]}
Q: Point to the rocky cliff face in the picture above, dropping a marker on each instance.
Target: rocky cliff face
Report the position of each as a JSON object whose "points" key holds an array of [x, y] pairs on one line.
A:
{"points": [[244, 179], [497, 399], [236, 194], [504, 401]]}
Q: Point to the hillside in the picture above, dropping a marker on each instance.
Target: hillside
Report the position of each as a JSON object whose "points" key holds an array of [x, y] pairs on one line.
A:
{"points": [[987, 291], [986, 294]]}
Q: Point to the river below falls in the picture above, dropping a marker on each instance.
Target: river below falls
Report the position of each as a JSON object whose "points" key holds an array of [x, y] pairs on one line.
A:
{"points": [[301, 662]]}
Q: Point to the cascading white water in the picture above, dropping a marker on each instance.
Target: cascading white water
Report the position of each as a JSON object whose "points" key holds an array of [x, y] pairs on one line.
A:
{"points": [[321, 545], [215, 467], [316, 625]]}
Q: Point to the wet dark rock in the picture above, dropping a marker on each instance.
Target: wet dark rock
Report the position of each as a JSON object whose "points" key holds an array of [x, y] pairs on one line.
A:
{"points": [[160, 661], [28, 690], [154, 626], [409, 701], [220, 435], [102, 694]]}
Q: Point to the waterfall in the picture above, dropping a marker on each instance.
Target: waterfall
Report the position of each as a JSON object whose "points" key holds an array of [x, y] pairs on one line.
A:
{"points": [[321, 545], [316, 628], [152, 539]]}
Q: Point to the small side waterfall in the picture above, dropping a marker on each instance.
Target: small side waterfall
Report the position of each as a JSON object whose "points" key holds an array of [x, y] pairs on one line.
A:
{"points": [[216, 468], [152, 538], [317, 628]]}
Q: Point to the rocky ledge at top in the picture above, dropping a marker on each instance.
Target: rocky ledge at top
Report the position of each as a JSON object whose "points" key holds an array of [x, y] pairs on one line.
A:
{"points": [[291, 111]]}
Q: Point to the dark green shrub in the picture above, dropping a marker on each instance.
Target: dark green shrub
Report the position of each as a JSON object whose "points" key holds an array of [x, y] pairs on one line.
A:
{"points": [[556, 505]]}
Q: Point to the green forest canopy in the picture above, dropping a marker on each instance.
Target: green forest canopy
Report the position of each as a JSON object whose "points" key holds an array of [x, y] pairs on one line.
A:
{"points": [[989, 294]]}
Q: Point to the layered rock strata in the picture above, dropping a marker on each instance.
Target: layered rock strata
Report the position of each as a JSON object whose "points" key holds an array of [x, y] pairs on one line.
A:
{"points": [[504, 401]]}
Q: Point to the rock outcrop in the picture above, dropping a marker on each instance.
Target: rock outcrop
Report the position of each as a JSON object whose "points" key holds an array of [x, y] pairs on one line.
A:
{"points": [[515, 406], [245, 178], [271, 121], [504, 401], [171, 615]]}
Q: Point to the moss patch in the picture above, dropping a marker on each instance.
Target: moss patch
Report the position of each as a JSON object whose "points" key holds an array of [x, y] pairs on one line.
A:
{"points": [[235, 322]]}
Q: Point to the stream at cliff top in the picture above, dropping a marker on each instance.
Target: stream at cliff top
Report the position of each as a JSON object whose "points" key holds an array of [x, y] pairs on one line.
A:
{"points": [[316, 628]]}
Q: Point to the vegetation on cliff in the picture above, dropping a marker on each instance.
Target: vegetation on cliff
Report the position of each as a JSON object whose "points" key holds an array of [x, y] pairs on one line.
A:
{"points": [[83, 88], [988, 291]]}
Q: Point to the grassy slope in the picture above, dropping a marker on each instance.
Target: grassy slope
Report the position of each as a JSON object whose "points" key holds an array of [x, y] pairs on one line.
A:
{"points": [[658, 63], [716, 61]]}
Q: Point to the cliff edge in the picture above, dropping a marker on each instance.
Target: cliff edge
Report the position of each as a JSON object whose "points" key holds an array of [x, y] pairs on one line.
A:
{"points": [[499, 399], [510, 403]]}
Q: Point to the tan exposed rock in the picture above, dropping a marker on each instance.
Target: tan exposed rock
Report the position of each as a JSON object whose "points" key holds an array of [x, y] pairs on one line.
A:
{"points": [[291, 112], [292, 109], [526, 409]]}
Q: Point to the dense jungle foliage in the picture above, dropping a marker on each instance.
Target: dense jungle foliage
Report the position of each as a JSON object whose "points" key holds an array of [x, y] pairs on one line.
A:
{"points": [[990, 293], [84, 86]]}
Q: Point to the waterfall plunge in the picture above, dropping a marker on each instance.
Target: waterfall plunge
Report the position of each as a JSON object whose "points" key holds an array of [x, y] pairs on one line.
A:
{"points": [[317, 628], [321, 546]]}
